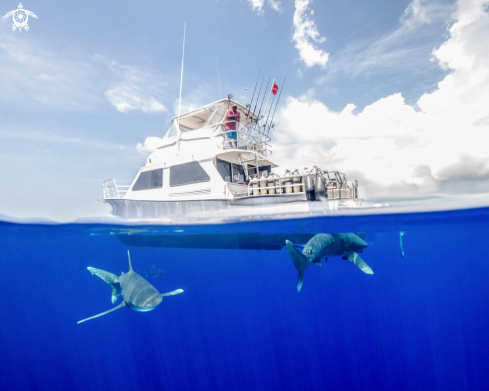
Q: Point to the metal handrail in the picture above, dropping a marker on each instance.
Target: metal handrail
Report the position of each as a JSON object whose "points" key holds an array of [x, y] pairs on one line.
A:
{"points": [[251, 139], [112, 190]]}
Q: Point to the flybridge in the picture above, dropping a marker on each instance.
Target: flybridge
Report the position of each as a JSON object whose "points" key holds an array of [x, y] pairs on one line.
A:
{"points": [[210, 121]]}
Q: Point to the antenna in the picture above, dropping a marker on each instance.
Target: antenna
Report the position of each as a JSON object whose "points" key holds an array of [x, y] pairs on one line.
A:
{"points": [[181, 79], [246, 90], [218, 79]]}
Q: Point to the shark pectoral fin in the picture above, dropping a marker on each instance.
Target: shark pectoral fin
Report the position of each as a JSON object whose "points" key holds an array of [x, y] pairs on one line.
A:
{"points": [[317, 262], [103, 313], [175, 292], [111, 279], [300, 262], [362, 265]]}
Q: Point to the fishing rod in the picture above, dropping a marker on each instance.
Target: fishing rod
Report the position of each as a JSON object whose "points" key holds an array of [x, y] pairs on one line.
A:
{"points": [[249, 108], [263, 100], [270, 110], [271, 122], [266, 104], [259, 93]]}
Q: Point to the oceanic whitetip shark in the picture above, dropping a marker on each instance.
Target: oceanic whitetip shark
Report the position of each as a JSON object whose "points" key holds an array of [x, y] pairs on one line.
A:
{"points": [[321, 246], [137, 293]]}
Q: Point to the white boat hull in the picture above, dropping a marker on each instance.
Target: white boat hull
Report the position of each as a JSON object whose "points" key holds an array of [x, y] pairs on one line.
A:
{"points": [[246, 208]]}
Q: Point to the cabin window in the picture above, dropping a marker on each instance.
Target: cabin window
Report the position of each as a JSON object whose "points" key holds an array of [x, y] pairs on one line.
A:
{"points": [[238, 173], [149, 180], [264, 170], [224, 168], [188, 173], [230, 172]]}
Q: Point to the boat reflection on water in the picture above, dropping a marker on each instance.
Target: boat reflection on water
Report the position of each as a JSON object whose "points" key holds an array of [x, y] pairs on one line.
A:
{"points": [[315, 246], [216, 241]]}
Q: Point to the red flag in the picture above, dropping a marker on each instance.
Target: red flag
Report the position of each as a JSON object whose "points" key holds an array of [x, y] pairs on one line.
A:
{"points": [[274, 89]]}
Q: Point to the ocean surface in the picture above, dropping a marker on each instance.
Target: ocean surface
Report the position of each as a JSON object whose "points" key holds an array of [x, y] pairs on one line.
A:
{"points": [[420, 322]]}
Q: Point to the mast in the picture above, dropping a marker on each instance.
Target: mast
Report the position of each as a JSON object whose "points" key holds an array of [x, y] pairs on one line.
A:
{"points": [[179, 132]]}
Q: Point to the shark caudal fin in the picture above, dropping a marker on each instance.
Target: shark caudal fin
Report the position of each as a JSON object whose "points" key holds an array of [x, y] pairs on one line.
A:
{"points": [[130, 266], [175, 292], [362, 265], [300, 262], [111, 279], [103, 313]]}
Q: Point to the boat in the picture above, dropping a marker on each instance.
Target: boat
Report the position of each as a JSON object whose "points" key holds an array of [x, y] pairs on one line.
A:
{"points": [[196, 173]]}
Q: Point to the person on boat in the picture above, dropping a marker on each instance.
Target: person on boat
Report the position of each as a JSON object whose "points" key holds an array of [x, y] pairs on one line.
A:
{"points": [[232, 117]]}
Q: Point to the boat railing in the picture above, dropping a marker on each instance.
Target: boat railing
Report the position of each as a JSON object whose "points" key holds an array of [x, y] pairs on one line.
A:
{"points": [[336, 186], [112, 190], [249, 137]]}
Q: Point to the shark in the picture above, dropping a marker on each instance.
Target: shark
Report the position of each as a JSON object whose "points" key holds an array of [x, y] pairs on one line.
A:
{"points": [[346, 245], [137, 293]]}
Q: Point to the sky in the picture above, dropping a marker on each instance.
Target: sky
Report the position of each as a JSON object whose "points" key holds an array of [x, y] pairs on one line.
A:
{"points": [[394, 94]]}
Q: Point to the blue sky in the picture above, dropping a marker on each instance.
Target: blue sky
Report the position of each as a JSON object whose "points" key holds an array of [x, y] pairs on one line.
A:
{"points": [[91, 80]]}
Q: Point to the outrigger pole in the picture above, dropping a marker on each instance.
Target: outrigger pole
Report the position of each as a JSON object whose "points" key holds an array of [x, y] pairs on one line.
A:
{"points": [[271, 122], [249, 108], [181, 80]]}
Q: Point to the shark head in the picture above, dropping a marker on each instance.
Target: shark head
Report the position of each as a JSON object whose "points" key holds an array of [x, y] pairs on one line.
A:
{"points": [[352, 243]]}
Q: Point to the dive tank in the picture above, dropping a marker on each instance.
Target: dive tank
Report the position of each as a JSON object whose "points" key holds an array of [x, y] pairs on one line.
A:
{"points": [[255, 185], [263, 183], [296, 181], [288, 182], [270, 184], [309, 188], [320, 186]]}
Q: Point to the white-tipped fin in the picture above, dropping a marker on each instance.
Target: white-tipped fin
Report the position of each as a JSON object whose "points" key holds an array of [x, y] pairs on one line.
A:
{"points": [[175, 292], [111, 279], [130, 266], [103, 313], [300, 262], [362, 265]]}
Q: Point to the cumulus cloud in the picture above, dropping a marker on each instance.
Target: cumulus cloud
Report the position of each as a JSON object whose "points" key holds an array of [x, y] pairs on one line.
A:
{"points": [[395, 150], [257, 5], [134, 89], [150, 144], [306, 34]]}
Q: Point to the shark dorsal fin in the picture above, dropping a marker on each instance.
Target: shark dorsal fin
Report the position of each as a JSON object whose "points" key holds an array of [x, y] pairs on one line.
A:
{"points": [[130, 266]]}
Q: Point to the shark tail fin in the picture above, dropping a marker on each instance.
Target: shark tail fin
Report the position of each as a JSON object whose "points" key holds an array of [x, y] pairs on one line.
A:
{"points": [[300, 263], [130, 266], [362, 265], [111, 279], [175, 292], [103, 313]]}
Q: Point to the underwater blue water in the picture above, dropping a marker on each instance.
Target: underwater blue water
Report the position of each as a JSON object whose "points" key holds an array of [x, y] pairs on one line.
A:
{"points": [[420, 322]]}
